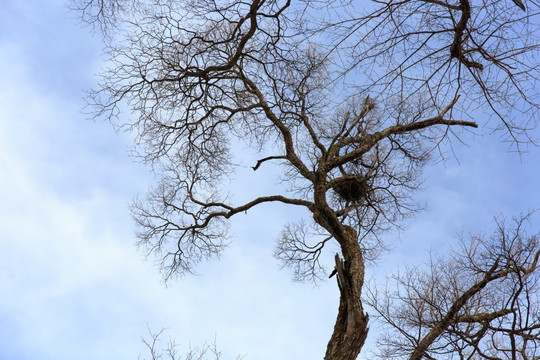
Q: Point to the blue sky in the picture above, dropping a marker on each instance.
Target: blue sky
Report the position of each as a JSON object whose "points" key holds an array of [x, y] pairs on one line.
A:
{"points": [[73, 285]]}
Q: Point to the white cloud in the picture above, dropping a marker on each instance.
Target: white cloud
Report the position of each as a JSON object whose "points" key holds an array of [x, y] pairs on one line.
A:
{"points": [[73, 280]]}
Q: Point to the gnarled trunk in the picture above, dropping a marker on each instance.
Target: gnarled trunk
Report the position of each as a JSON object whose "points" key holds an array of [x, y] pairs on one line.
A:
{"points": [[350, 330]]}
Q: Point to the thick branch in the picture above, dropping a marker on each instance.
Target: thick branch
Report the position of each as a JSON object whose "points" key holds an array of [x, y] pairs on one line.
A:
{"points": [[456, 49], [259, 162], [251, 204], [478, 318], [366, 143], [252, 16], [281, 127], [450, 316]]}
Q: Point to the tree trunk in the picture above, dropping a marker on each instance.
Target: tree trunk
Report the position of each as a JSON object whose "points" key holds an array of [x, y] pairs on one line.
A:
{"points": [[350, 330]]}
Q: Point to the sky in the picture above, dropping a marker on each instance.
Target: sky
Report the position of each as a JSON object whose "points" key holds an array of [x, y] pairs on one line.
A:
{"points": [[72, 283]]}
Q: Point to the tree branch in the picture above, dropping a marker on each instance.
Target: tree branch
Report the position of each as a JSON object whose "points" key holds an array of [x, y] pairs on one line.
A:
{"points": [[259, 162]]}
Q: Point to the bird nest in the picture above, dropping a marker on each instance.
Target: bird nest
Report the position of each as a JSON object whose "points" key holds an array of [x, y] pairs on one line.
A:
{"points": [[351, 188]]}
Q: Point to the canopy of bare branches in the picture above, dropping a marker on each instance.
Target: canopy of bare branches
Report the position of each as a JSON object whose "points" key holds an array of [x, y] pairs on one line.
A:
{"points": [[348, 101], [481, 302]]}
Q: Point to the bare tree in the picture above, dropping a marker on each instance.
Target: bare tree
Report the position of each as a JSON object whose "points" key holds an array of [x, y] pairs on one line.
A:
{"points": [[481, 302], [208, 351], [348, 104]]}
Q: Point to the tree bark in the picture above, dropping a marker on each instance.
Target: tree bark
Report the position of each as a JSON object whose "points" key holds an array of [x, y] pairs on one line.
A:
{"points": [[350, 330]]}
